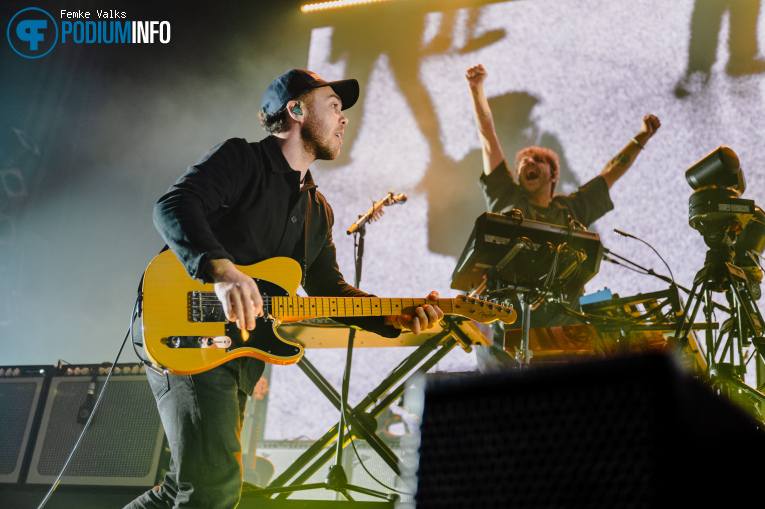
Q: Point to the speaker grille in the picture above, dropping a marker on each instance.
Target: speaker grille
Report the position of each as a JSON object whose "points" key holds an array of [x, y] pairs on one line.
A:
{"points": [[622, 433], [577, 437], [122, 445], [18, 401]]}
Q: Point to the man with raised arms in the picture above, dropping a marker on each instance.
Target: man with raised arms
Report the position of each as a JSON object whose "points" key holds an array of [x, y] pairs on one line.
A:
{"points": [[537, 170]]}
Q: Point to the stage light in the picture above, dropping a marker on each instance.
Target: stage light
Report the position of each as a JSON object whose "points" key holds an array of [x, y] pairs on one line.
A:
{"points": [[338, 3]]}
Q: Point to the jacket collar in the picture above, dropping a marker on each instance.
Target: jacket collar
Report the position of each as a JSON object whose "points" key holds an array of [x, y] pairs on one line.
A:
{"points": [[279, 164]]}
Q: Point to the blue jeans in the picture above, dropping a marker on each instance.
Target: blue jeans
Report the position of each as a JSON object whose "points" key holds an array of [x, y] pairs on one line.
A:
{"points": [[202, 415]]}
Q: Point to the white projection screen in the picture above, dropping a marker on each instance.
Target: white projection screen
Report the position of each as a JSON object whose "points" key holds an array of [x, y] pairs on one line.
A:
{"points": [[574, 76]]}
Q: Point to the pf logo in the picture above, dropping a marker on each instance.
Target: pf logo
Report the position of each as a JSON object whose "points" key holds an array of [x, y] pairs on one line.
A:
{"points": [[32, 32]]}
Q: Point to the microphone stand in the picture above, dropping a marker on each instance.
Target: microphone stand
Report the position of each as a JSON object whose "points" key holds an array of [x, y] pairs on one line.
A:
{"points": [[651, 272], [336, 479]]}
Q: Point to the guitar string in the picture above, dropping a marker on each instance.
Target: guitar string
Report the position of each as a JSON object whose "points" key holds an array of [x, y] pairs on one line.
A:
{"points": [[209, 298]]}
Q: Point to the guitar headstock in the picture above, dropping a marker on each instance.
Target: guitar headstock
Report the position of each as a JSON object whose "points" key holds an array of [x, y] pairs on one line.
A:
{"points": [[483, 311]]}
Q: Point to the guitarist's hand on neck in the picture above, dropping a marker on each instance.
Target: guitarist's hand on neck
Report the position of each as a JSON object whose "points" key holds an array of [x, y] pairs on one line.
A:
{"points": [[424, 317], [237, 292]]}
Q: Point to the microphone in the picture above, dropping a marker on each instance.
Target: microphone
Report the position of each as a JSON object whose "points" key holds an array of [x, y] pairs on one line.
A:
{"points": [[83, 413], [390, 199], [623, 234]]}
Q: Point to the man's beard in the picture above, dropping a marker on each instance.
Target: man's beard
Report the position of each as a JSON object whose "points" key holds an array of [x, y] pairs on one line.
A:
{"points": [[313, 142]]}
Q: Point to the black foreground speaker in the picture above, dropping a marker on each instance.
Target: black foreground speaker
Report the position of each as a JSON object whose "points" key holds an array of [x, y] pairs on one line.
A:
{"points": [[122, 446], [627, 432], [22, 391]]}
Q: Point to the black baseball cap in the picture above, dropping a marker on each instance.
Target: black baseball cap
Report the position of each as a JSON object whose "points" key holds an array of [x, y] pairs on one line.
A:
{"points": [[294, 82]]}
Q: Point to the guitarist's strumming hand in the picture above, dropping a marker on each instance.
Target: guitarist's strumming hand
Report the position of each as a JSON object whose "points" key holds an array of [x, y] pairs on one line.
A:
{"points": [[424, 318], [237, 292]]}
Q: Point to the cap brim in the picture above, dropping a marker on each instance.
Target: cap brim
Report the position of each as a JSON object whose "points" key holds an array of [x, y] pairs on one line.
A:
{"points": [[347, 90]]}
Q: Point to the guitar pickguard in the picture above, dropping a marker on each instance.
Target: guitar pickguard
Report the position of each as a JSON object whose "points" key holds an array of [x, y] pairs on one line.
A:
{"points": [[204, 307], [264, 336]]}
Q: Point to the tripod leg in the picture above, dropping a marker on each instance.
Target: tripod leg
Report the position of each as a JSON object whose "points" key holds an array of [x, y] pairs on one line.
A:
{"points": [[742, 306], [716, 345], [725, 348], [748, 323], [742, 336], [711, 346], [685, 323]]}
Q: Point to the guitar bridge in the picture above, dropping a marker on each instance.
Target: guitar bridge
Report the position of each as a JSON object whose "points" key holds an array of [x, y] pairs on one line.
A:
{"points": [[205, 307]]}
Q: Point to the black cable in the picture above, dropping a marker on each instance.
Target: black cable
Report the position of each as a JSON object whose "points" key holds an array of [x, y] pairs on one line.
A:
{"points": [[358, 456], [92, 413], [619, 232], [633, 269], [579, 257]]}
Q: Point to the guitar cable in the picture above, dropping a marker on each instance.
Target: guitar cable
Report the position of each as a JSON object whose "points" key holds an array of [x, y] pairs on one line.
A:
{"points": [[378, 481], [358, 456], [93, 412], [137, 313]]}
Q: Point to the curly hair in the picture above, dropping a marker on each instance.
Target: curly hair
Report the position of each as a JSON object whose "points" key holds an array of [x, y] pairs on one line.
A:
{"points": [[550, 157], [277, 123]]}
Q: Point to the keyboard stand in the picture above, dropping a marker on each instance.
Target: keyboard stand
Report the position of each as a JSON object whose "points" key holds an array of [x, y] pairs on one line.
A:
{"points": [[361, 419]]}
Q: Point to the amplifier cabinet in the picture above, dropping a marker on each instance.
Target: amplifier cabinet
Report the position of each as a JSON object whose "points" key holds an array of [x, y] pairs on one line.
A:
{"points": [[122, 446], [22, 389]]}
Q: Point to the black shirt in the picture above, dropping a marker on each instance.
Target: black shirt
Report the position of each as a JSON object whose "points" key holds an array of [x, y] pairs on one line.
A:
{"points": [[243, 202], [589, 203]]}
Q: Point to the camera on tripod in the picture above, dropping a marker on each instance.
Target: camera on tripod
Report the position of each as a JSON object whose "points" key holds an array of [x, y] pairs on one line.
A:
{"points": [[734, 231], [733, 228]]}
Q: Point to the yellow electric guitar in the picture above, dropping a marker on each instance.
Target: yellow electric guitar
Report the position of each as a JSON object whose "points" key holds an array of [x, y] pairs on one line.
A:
{"points": [[186, 332]]}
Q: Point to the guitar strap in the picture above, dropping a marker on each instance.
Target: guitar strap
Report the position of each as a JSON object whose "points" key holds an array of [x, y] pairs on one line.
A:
{"points": [[305, 235]]}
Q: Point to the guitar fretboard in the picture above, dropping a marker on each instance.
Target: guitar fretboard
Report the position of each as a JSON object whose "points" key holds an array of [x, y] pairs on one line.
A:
{"points": [[314, 307], [205, 307]]}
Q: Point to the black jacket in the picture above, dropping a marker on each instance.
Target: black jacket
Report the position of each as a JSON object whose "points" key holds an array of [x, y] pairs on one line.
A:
{"points": [[242, 201]]}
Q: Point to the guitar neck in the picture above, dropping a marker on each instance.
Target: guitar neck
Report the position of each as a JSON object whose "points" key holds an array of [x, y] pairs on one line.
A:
{"points": [[329, 307]]}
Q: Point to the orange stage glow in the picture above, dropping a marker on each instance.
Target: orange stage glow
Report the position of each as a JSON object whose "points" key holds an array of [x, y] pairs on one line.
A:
{"points": [[337, 3]]}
